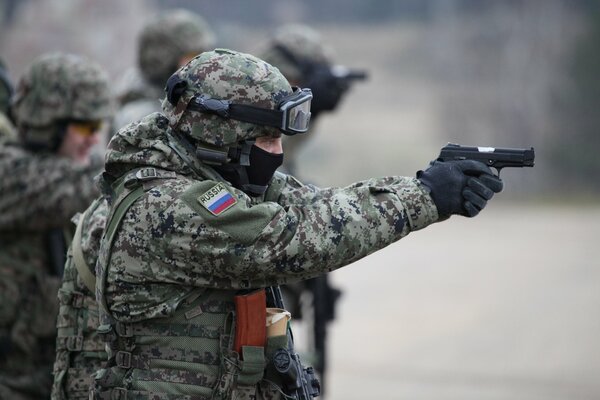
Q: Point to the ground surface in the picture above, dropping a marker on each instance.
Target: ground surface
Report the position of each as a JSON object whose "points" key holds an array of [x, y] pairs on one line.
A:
{"points": [[504, 306]]}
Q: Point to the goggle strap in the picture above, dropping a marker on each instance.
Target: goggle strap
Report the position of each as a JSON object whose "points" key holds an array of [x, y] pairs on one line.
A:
{"points": [[239, 112], [255, 115]]}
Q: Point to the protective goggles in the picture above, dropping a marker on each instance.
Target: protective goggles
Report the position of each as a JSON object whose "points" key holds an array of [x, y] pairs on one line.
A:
{"points": [[86, 128], [291, 117]]}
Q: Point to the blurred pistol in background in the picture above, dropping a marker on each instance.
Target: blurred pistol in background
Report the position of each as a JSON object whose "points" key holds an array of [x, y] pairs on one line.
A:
{"points": [[348, 75], [495, 157]]}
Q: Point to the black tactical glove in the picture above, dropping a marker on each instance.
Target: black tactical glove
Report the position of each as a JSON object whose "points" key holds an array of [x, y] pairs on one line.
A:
{"points": [[460, 187]]}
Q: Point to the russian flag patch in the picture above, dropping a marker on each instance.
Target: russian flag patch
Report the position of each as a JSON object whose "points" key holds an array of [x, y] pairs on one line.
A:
{"points": [[217, 199]]}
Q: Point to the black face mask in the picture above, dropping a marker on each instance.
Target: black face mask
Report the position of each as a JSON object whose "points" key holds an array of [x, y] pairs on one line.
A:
{"points": [[253, 179]]}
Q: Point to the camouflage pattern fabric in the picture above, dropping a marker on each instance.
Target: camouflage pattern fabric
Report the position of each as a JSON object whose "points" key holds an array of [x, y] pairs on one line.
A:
{"points": [[80, 350], [38, 193], [169, 244], [41, 191]]}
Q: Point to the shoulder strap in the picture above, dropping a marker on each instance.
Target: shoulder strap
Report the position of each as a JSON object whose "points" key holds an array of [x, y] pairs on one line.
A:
{"points": [[139, 181], [127, 190], [88, 278]]}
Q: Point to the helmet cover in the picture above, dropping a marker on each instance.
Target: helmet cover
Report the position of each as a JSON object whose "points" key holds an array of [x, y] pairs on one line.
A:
{"points": [[226, 75]]}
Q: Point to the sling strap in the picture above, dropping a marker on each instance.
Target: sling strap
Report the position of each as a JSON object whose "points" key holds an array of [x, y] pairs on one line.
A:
{"points": [[86, 275]]}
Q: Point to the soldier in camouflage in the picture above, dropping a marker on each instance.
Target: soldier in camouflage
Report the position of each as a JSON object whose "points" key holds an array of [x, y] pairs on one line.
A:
{"points": [[59, 106], [166, 43], [301, 55], [198, 214]]}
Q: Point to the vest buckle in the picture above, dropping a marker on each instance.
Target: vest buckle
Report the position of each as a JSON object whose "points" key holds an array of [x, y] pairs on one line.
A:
{"points": [[124, 330], [74, 343], [123, 359], [146, 174]]}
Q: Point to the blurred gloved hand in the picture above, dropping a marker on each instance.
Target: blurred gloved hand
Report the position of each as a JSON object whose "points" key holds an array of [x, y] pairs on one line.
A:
{"points": [[460, 187]]}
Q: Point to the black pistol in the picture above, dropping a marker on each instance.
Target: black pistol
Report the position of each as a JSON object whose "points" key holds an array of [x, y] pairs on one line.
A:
{"points": [[495, 157]]}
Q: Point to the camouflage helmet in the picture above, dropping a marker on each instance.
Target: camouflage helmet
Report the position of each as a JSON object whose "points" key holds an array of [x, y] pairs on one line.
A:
{"points": [[6, 89], [295, 44], [225, 75], [169, 37], [59, 87]]}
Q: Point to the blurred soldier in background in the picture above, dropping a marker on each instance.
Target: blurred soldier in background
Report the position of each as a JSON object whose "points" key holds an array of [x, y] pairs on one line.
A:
{"points": [[7, 129], [167, 42], [299, 53], [59, 106]]}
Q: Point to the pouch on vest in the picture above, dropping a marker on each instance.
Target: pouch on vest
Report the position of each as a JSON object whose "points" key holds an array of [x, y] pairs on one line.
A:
{"points": [[250, 317]]}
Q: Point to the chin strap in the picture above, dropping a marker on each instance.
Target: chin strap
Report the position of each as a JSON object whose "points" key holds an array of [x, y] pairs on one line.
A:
{"points": [[236, 171], [232, 165], [240, 168]]}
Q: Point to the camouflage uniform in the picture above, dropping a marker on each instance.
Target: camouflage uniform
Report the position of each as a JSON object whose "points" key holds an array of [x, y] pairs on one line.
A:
{"points": [[80, 351], [39, 193], [169, 268], [162, 43]]}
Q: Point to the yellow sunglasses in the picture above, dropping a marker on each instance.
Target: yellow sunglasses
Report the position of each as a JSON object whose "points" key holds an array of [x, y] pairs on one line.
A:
{"points": [[86, 128]]}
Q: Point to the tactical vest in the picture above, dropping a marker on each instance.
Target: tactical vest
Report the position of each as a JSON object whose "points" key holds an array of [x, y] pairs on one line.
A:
{"points": [[79, 349], [187, 355]]}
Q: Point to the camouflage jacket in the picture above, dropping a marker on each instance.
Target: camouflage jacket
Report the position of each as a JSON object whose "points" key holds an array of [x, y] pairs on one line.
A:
{"points": [[175, 239], [38, 194], [172, 241]]}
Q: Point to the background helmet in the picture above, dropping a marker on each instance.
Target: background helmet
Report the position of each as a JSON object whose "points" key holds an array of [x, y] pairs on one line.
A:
{"points": [[57, 88], [293, 46], [225, 75], [169, 37]]}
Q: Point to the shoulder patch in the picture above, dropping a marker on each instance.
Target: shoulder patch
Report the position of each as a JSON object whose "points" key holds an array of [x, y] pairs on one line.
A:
{"points": [[217, 199]]}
